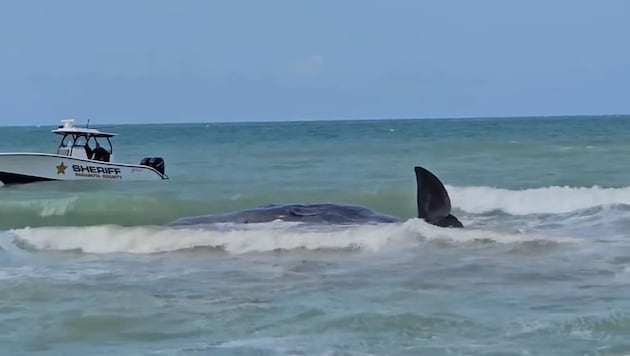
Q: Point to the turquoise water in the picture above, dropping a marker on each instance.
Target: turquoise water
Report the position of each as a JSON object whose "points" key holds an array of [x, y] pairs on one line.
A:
{"points": [[542, 267]]}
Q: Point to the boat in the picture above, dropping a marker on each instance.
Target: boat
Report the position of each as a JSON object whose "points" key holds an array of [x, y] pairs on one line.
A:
{"points": [[79, 156]]}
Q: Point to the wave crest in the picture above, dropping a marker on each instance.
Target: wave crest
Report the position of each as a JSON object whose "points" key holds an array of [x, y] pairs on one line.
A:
{"points": [[548, 200], [241, 239]]}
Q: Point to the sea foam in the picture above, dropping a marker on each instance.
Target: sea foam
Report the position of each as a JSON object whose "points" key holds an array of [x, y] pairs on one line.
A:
{"points": [[547, 200], [265, 237]]}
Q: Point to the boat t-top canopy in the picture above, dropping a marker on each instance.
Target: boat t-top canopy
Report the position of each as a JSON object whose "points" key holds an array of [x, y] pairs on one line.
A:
{"points": [[68, 128]]}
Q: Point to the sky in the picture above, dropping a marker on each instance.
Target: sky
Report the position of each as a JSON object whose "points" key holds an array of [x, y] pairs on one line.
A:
{"points": [[156, 61]]}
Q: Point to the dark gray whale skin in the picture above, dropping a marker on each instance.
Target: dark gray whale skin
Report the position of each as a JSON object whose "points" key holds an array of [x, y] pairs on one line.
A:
{"points": [[433, 204], [320, 213]]}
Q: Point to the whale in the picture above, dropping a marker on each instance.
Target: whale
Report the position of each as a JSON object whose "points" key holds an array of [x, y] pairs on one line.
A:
{"points": [[432, 200]]}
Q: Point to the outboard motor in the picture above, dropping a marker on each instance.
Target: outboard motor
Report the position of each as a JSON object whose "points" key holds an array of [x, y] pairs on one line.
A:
{"points": [[155, 162]]}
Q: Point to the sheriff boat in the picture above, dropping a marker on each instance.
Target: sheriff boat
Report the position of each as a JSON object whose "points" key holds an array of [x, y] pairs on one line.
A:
{"points": [[79, 156]]}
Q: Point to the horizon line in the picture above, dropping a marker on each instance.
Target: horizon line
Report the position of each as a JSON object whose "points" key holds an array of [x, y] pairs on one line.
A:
{"points": [[496, 117]]}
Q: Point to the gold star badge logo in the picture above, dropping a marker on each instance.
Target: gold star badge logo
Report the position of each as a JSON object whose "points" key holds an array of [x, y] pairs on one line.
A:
{"points": [[61, 169]]}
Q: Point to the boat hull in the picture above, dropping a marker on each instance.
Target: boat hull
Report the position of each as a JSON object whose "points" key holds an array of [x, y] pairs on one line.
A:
{"points": [[21, 168]]}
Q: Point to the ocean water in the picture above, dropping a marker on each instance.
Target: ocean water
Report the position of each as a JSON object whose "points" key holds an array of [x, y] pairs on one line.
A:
{"points": [[541, 268]]}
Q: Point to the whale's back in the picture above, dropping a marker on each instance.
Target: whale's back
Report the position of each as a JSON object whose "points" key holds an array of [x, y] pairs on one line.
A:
{"points": [[324, 213]]}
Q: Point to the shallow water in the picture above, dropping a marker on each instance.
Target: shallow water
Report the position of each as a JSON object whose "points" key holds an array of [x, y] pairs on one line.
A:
{"points": [[542, 267]]}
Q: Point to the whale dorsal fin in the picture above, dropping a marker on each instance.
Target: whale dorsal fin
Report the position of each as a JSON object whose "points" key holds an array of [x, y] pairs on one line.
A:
{"points": [[433, 202]]}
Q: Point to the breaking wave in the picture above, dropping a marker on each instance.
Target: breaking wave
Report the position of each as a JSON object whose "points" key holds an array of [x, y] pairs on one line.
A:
{"points": [[264, 237], [104, 209], [548, 200]]}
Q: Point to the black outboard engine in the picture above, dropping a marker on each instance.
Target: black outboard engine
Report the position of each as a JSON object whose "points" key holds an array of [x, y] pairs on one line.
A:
{"points": [[155, 162]]}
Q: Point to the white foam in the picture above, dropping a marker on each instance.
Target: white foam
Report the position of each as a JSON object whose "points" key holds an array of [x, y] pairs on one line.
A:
{"points": [[250, 238], [548, 200]]}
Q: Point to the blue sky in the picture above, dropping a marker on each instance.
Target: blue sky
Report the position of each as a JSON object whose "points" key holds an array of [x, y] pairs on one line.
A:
{"points": [[186, 61]]}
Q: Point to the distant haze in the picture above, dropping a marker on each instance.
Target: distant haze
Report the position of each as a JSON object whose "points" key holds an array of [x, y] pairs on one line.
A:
{"points": [[203, 61]]}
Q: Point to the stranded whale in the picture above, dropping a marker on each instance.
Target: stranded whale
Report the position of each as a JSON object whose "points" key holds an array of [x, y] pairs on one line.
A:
{"points": [[433, 203]]}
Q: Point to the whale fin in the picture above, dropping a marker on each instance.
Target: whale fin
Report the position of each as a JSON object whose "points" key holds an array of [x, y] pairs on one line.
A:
{"points": [[434, 204]]}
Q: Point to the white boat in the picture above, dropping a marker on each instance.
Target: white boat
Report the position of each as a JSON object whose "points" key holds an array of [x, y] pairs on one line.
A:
{"points": [[79, 156]]}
